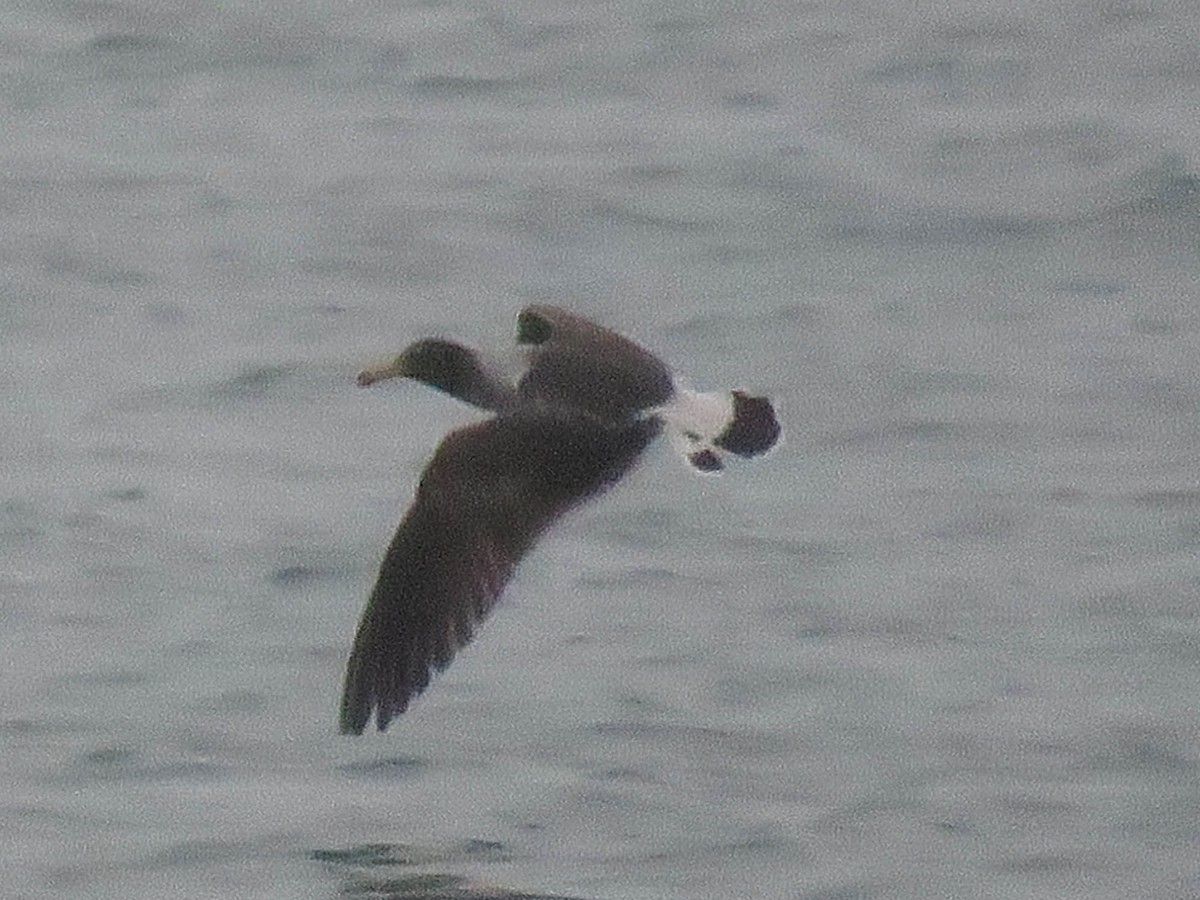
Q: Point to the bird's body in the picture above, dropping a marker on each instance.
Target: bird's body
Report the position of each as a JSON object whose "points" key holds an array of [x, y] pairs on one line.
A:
{"points": [[589, 404]]}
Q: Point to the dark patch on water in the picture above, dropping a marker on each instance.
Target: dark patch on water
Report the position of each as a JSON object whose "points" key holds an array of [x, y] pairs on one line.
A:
{"points": [[678, 25], [624, 215], [1182, 498], [908, 432], [798, 313], [388, 768], [957, 829], [987, 31], [252, 383], [929, 228], [1166, 187], [1041, 864], [470, 850], [383, 265], [423, 885], [93, 269], [936, 69], [1067, 496], [108, 756], [105, 678], [915, 382], [1028, 805], [1114, 604], [165, 313], [694, 740], [805, 554], [952, 77], [49, 725], [849, 892], [19, 521], [461, 87], [752, 100], [435, 887], [16, 302], [631, 578], [986, 523], [649, 173], [1146, 750], [126, 495], [298, 575], [385, 64], [818, 632], [517, 33], [194, 647], [1090, 287], [765, 683], [124, 43], [1155, 326], [194, 853], [643, 528], [122, 763], [234, 702]]}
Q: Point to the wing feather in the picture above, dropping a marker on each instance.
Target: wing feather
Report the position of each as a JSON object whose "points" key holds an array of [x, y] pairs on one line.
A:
{"points": [[490, 490]]}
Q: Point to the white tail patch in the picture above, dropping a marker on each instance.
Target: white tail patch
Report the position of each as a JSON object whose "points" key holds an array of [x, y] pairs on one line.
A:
{"points": [[706, 426], [694, 422]]}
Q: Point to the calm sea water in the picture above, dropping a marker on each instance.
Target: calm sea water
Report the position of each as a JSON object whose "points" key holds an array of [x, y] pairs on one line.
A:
{"points": [[945, 642]]}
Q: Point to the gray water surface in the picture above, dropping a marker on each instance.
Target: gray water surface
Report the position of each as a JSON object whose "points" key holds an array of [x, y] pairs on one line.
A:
{"points": [[944, 642]]}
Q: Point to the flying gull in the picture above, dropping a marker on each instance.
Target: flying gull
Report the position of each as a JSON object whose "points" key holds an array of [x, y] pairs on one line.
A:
{"points": [[588, 404]]}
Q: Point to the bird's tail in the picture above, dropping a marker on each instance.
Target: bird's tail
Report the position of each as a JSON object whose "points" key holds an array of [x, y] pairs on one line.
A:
{"points": [[706, 426]]}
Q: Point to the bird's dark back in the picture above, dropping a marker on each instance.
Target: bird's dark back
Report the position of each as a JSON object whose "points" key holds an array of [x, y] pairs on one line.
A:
{"points": [[577, 363], [612, 387]]}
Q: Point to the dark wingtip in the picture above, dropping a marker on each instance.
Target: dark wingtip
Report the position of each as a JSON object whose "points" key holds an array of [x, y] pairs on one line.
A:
{"points": [[754, 428], [358, 701], [355, 714], [355, 719]]}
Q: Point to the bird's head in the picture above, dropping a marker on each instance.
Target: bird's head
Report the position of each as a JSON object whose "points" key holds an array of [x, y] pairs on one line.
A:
{"points": [[438, 363]]}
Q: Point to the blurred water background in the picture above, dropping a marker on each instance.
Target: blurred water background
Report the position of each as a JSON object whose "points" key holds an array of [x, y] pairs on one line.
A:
{"points": [[943, 643]]}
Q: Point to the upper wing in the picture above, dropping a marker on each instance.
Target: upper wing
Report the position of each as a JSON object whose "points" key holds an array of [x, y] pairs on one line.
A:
{"points": [[485, 497], [577, 363]]}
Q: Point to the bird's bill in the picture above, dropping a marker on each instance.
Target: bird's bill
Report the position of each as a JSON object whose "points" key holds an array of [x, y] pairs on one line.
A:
{"points": [[396, 368]]}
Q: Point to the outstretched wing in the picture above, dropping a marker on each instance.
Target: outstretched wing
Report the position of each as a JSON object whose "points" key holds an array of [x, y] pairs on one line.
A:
{"points": [[490, 490]]}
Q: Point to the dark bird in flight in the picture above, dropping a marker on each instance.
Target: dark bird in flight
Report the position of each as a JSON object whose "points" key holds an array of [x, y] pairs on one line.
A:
{"points": [[588, 404]]}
